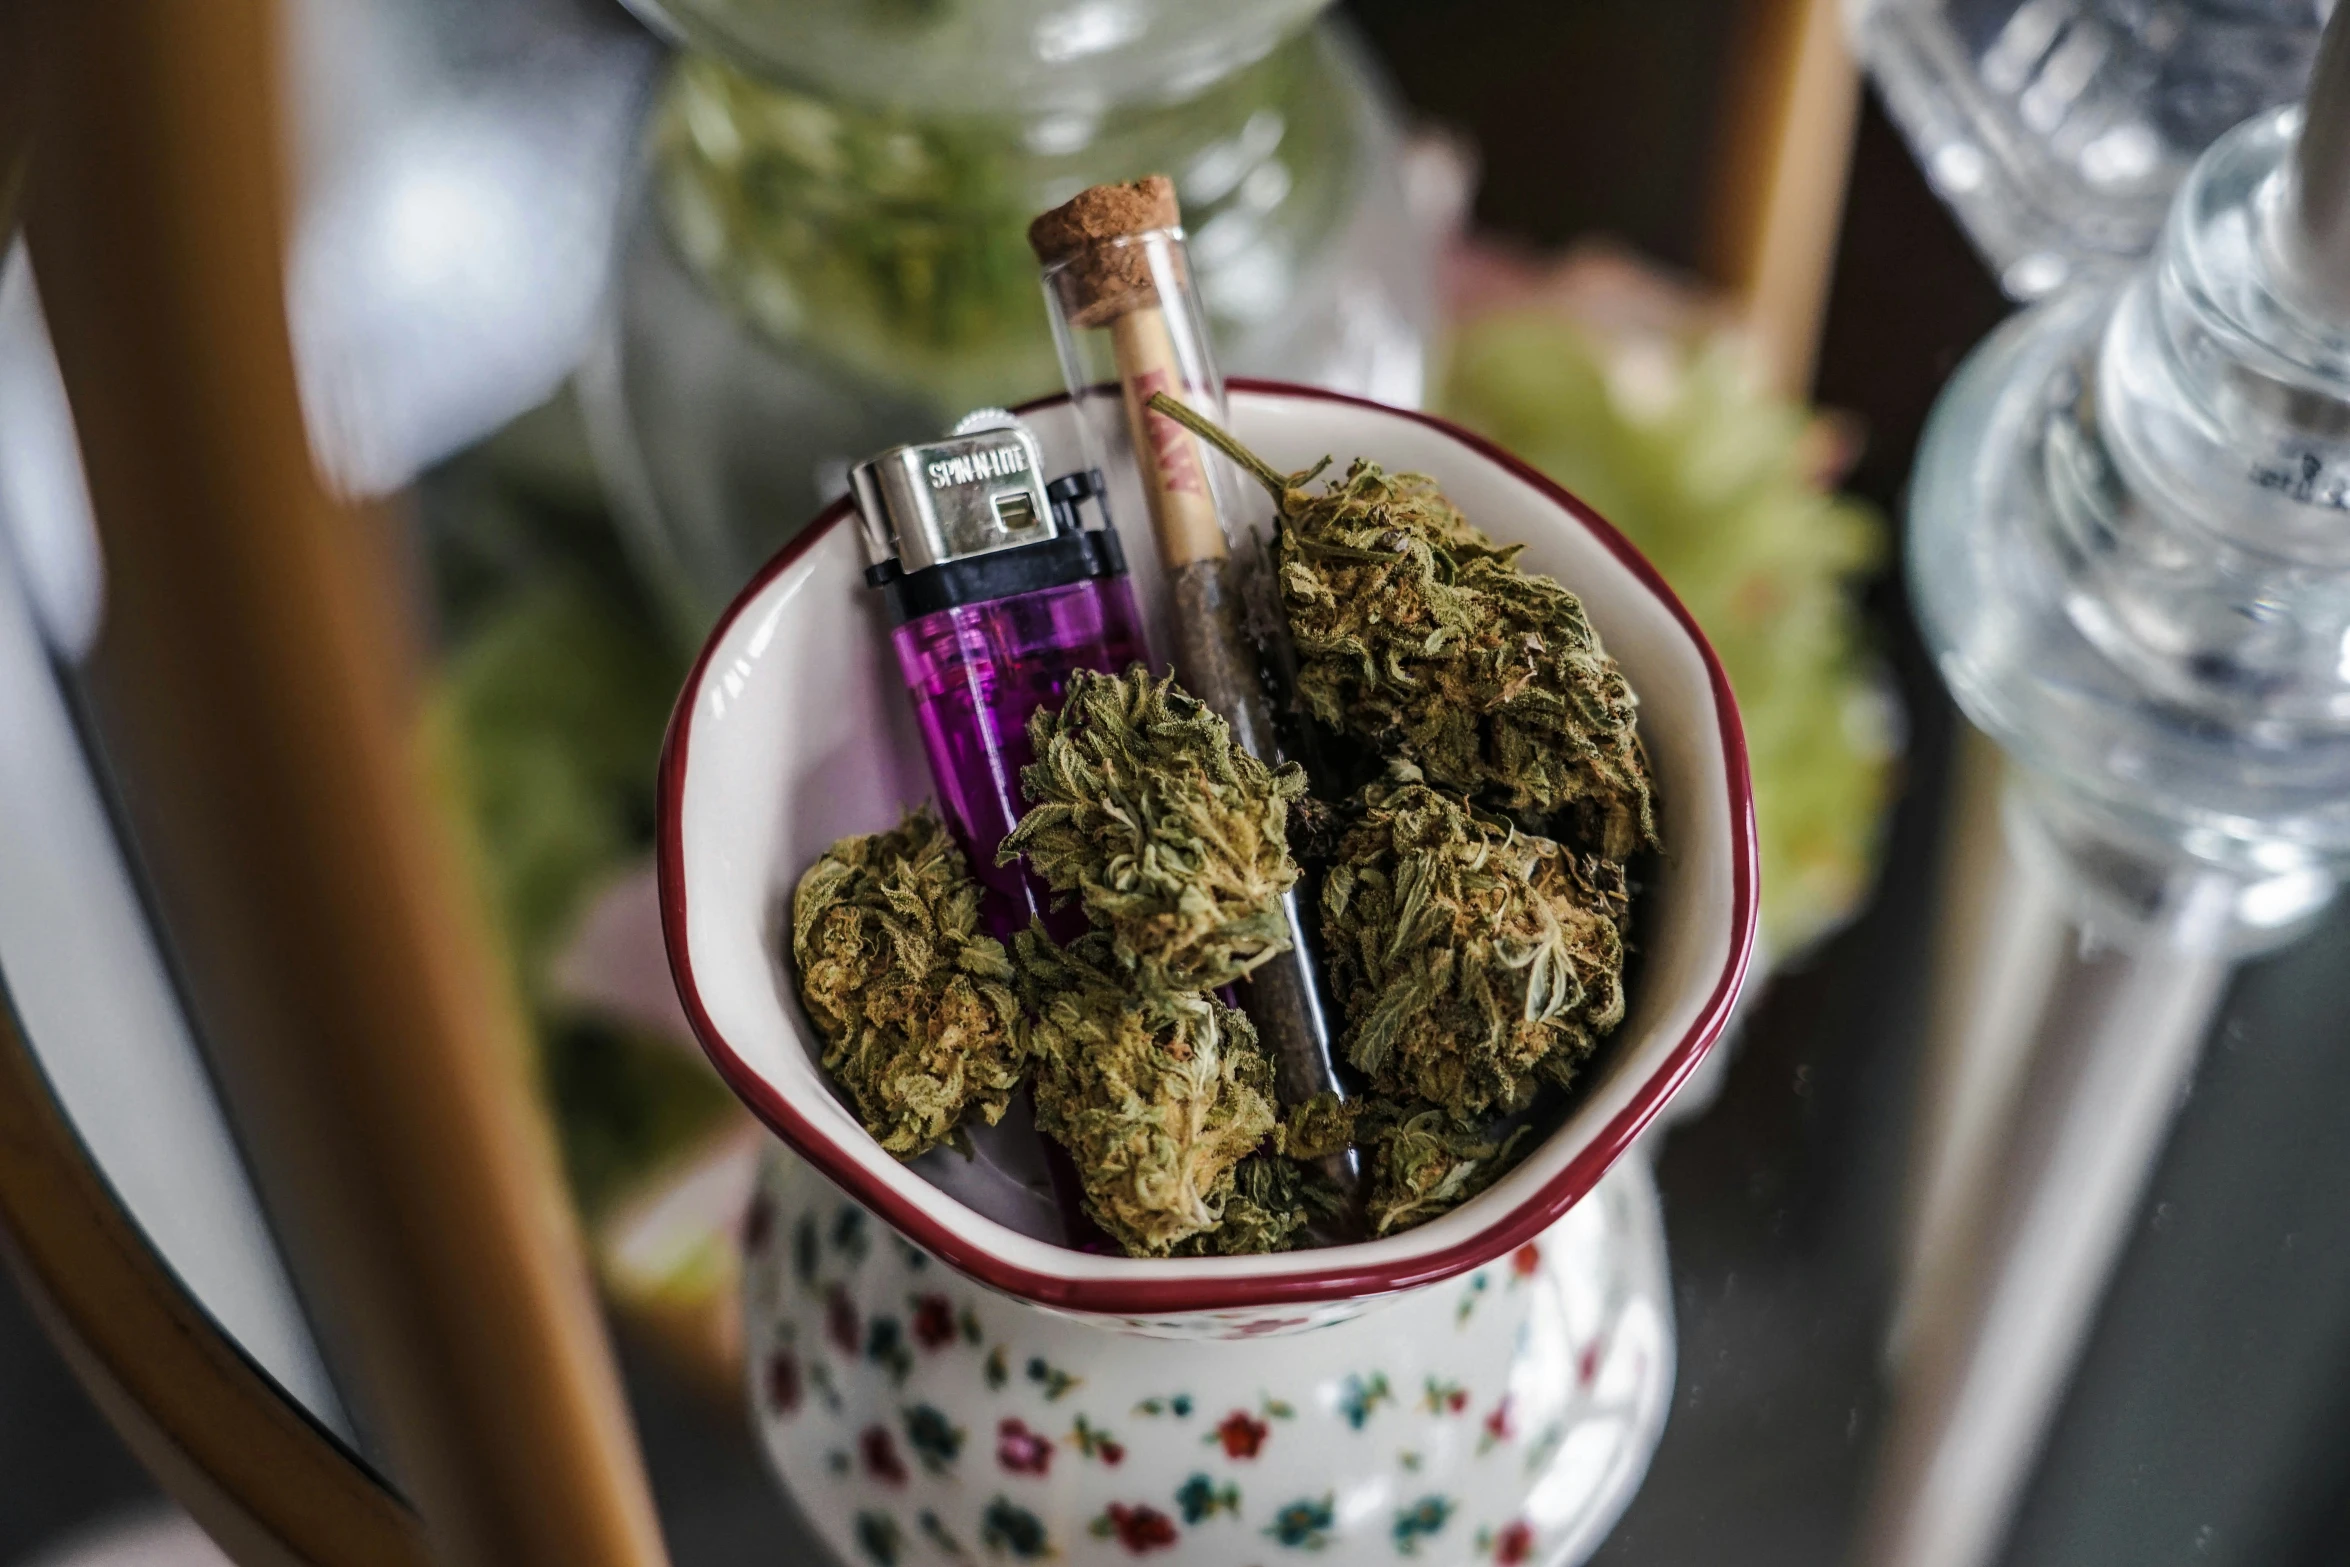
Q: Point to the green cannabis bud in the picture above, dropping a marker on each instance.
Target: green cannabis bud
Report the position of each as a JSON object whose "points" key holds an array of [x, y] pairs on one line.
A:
{"points": [[1422, 1163], [1273, 1199], [1318, 1128], [1171, 837], [914, 999], [1468, 955], [1418, 635], [1156, 1096]]}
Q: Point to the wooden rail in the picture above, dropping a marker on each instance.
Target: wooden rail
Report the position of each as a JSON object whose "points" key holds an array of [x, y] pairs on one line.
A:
{"points": [[1793, 99], [249, 687]]}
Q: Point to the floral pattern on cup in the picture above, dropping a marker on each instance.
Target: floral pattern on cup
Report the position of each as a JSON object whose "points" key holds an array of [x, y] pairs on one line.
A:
{"points": [[922, 1421]]}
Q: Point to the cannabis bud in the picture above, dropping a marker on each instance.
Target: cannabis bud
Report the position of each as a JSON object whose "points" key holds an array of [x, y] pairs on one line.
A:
{"points": [[1417, 634], [1156, 1097], [1171, 836], [914, 999], [1423, 1163], [1273, 1199], [1318, 1128], [1468, 955]]}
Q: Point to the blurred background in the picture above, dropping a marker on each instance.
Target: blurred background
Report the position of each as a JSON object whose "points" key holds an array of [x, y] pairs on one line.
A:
{"points": [[599, 314]]}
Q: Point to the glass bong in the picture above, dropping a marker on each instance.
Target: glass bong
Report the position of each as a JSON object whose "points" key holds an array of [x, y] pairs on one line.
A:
{"points": [[2058, 129], [2130, 544], [828, 254], [2129, 551]]}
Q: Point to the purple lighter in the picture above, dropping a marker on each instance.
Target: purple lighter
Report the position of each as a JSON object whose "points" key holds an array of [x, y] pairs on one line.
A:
{"points": [[997, 593]]}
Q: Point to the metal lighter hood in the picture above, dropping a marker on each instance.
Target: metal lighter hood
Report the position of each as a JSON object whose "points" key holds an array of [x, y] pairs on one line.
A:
{"points": [[951, 499]]}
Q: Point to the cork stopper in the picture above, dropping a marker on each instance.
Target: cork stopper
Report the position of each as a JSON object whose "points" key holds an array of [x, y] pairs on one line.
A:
{"points": [[1101, 280]]}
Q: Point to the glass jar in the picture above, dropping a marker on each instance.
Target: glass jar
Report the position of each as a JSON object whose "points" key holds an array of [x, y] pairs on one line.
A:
{"points": [[831, 259]]}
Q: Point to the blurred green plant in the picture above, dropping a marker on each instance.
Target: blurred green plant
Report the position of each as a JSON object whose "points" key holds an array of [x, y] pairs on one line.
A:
{"points": [[551, 712]]}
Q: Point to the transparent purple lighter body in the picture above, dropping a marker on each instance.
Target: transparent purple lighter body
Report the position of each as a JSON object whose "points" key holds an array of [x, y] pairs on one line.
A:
{"points": [[976, 672]]}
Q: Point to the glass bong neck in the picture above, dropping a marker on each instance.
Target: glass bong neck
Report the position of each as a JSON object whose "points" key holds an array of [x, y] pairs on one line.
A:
{"points": [[2131, 543]]}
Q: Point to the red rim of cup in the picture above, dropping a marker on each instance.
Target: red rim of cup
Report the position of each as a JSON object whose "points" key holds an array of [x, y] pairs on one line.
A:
{"points": [[1207, 1289]]}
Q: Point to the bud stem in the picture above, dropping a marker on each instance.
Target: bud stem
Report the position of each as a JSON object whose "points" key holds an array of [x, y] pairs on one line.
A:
{"points": [[1273, 479]]}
